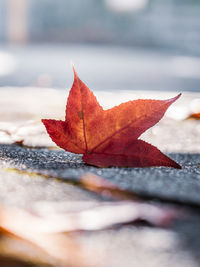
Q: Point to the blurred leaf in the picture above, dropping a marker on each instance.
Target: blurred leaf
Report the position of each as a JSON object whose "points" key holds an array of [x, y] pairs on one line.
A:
{"points": [[195, 116]]}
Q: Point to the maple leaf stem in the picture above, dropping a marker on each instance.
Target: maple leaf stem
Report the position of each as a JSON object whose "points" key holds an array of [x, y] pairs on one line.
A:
{"points": [[86, 146], [83, 118]]}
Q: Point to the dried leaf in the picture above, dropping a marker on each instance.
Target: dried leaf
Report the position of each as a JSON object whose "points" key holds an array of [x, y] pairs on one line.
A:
{"points": [[40, 232], [109, 137], [26, 133], [45, 223], [105, 188], [90, 216], [195, 116]]}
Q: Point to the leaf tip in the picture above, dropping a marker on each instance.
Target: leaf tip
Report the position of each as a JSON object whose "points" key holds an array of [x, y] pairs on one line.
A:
{"points": [[47, 123], [75, 73], [172, 100], [44, 121], [178, 96], [176, 166]]}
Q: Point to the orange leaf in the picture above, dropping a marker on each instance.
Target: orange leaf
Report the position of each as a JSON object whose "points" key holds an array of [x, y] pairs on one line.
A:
{"points": [[109, 137], [195, 116]]}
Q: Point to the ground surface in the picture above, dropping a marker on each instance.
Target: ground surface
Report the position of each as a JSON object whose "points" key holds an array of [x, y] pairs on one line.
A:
{"points": [[35, 171]]}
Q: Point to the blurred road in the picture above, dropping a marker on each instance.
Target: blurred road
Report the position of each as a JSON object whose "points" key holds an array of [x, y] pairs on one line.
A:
{"points": [[101, 67]]}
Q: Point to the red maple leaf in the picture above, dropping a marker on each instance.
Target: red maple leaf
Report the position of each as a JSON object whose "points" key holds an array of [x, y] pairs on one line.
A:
{"points": [[109, 137]]}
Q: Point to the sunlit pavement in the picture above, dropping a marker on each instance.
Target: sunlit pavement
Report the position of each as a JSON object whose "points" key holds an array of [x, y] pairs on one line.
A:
{"points": [[101, 67]]}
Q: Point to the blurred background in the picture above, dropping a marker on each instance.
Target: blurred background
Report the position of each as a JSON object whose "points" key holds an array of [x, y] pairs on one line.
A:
{"points": [[114, 44]]}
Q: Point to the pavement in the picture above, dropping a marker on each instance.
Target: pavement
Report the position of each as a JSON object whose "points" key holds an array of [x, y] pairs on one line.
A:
{"points": [[34, 171]]}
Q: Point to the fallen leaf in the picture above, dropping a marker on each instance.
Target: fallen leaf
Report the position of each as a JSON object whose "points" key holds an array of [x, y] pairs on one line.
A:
{"points": [[105, 188], [109, 137], [46, 219], [195, 116], [16, 252], [47, 225], [29, 133], [42, 233], [93, 216]]}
